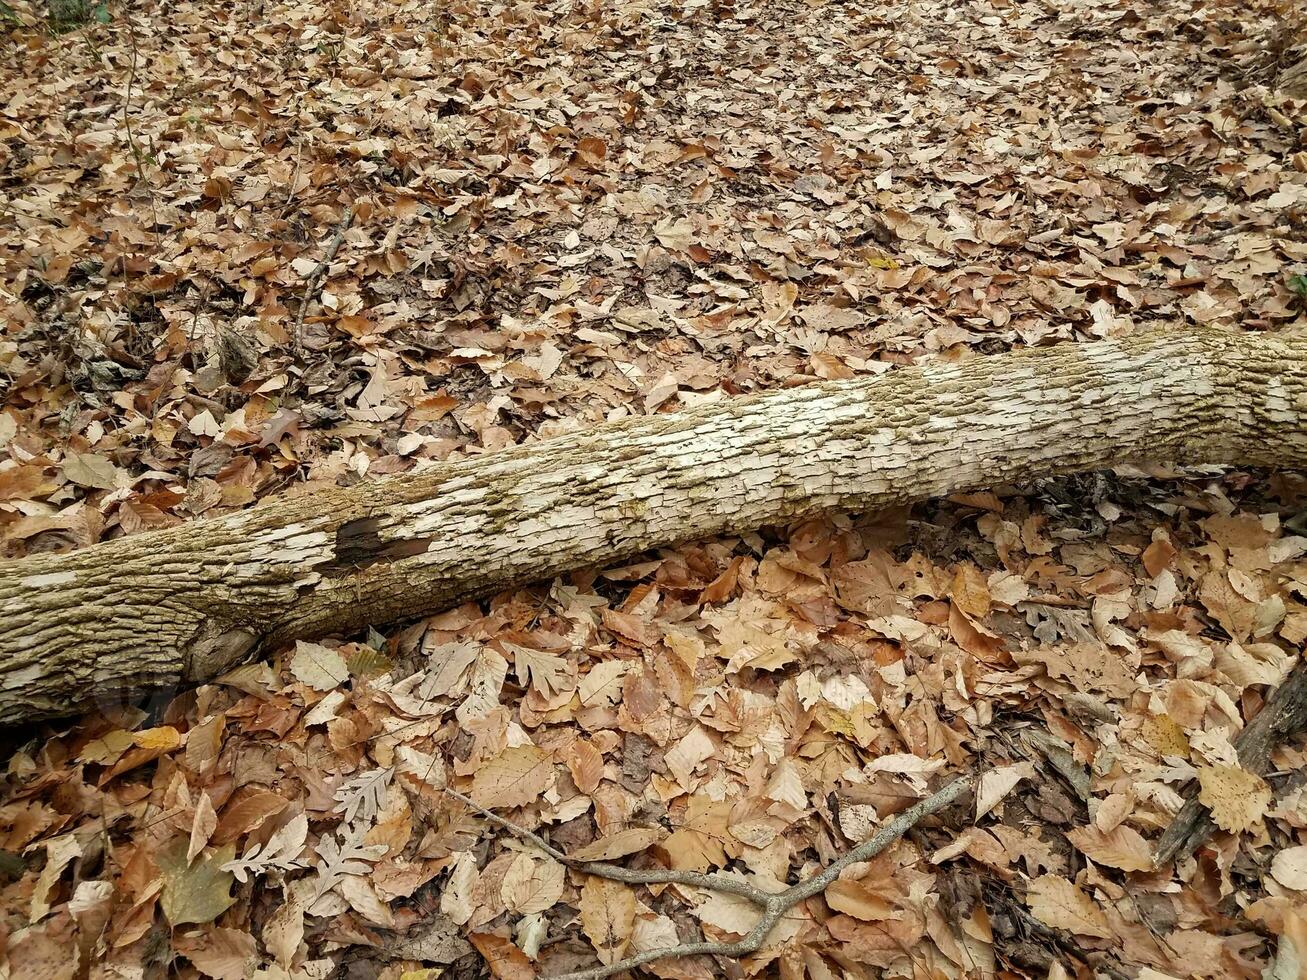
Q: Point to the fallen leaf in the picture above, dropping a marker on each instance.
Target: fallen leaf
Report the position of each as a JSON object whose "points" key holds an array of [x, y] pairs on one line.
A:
{"points": [[519, 775], [1057, 902], [607, 916], [1122, 847], [198, 892], [1237, 798]]}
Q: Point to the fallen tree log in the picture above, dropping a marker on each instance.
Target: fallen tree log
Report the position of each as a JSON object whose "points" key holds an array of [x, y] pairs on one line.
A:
{"points": [[186, 603]]}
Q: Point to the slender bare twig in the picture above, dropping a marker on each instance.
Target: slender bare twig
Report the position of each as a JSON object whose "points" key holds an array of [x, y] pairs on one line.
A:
{"points": [[774, 906], [315, 278], [615, 872]]}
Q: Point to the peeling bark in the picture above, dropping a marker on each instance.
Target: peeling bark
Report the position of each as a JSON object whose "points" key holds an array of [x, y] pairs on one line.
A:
{"points": [[186, 603]]}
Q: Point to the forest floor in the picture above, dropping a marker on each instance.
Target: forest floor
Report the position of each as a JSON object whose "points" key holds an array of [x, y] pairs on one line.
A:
{"points": [[250, 248]]}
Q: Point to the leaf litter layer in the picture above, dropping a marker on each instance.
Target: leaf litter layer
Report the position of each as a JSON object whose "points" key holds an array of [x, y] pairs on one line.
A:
{"points": [[252, 249]]}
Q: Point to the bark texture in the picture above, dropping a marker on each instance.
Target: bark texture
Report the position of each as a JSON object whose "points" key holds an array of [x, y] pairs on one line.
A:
{"points": [[186, 603]]}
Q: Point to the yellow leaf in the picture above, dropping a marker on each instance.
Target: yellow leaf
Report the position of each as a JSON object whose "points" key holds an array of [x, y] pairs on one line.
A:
{"points": [[1165, 736], [159, 740], [1237, 798]]}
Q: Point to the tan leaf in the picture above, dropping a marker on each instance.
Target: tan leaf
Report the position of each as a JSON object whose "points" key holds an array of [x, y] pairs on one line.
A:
{"points": [[531, 884], [1289, 868], [91, 471], [545, 672], [631, 840], [517, 776], [1122, 847], [607, 916], [284, 929], [224, 954], [970, 591], [202, 827], [247, 811], [362, 897], [151, 743], [852, 897], [1113, 810], [1237, 798], [997, 783], [586, 764], [318, 667], [1058, 903], [107, 749], [456, 898], [59, 851], [1165, 735]]}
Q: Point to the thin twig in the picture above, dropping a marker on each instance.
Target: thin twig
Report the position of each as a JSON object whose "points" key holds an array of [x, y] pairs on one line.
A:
{"points": [[773, 907], [315, 278], [615, 872]]}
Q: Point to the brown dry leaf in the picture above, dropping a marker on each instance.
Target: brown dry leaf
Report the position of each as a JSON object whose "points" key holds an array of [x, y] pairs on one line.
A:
{"points": [[1057, 902], [519, 775], [224, 954], [1237, 798], [970, 591], [607, 916], [505, 960], [629, 840], [852, 897], [1121, 847], [586, 764]]}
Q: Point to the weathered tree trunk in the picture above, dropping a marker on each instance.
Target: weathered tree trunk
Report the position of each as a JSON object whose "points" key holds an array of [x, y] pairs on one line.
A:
{"points": [[188, 602]]}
